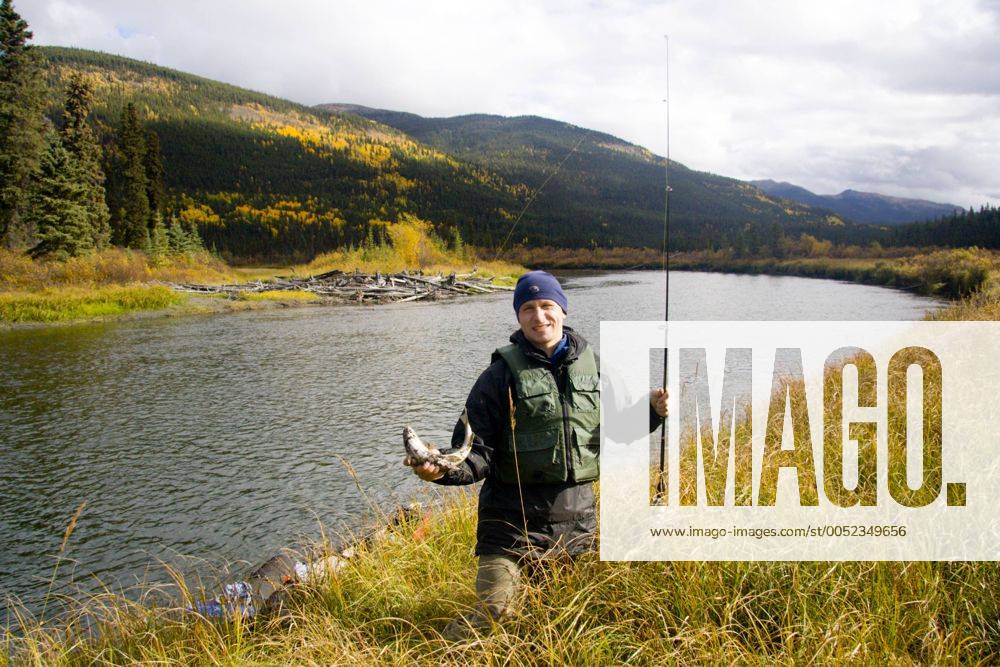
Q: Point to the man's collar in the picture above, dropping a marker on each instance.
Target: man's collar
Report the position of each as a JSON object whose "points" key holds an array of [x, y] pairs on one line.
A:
{"points": [[574, 346]]}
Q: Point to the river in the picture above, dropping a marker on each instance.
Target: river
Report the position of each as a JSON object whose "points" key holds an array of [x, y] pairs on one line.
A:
{"points": [[222, 437]]}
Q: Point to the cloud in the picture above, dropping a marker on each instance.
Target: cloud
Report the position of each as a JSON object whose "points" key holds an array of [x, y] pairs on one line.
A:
{"points": [[899, 96]]}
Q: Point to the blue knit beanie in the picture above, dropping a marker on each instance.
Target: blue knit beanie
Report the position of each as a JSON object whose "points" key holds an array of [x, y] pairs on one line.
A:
{"points": [[538, 285]]}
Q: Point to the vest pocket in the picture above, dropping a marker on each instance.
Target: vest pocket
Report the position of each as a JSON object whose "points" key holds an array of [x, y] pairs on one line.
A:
{"points": [[539, 458], [586, 453], [540, 405], [586, 395]]}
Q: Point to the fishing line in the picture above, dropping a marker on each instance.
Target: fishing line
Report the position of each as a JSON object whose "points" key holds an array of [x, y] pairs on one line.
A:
{"points": [[535, 194], [661, 485]]}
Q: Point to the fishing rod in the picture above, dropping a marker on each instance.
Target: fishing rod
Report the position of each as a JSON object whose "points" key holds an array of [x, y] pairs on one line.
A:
{"points": [[661, 485], [534, 194]]}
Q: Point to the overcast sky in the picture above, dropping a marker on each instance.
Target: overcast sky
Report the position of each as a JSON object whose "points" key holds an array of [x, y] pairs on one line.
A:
{"points": [[898, 97]]}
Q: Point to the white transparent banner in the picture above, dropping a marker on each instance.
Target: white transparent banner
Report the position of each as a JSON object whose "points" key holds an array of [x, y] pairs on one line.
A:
{"points": [[802, 441]]}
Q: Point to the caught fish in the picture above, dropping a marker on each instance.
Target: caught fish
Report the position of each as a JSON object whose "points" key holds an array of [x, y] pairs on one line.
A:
{"points": [[419, 452]]}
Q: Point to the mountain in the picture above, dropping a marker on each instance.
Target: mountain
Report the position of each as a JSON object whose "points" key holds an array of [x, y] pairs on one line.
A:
{"points": [[863, 207], [266, 179], [602, 185]]}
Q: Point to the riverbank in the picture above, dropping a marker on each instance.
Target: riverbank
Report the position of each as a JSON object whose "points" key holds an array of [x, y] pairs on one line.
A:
{"points": [[68, 307], [121, 284], [390, 602], [955, 274]]}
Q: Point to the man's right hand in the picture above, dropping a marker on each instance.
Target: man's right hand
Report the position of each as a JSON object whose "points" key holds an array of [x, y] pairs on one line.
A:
{"points": [[428, 472]]}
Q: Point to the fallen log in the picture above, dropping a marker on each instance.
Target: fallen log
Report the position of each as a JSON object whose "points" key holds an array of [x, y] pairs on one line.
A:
{"points": [[358, 287]]}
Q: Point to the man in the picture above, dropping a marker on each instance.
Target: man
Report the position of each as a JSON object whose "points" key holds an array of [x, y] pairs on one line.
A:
{"points": [[536, 415]]}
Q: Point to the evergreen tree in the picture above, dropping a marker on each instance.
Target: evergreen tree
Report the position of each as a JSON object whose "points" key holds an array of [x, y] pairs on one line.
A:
{"points": [[159, 242], [78, 139], [176, 237], [131, 224], [194, 241], [57, 206], [22, 123], [156, 191]]}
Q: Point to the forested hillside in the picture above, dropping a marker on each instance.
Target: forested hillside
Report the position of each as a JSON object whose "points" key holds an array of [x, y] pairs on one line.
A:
{"points": [[267, 179], [962, 229], [609, 186]]}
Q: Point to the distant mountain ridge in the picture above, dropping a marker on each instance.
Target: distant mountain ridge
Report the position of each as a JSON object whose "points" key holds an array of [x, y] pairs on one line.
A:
{"points": [[266, 179], [607, 183], [863, 207]]}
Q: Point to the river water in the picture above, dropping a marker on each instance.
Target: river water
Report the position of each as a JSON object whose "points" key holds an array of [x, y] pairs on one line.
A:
{"points": [[222, 437]]}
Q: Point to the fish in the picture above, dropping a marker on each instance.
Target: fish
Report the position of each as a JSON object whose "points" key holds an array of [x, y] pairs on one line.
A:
{"points": [[419, 452]]}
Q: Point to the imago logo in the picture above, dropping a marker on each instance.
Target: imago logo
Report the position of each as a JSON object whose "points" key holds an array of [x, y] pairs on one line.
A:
{"points": [[801, 441], [725, 460]]}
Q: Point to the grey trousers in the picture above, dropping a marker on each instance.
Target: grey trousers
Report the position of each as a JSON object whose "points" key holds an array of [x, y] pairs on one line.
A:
{"points": [[497, 581]]}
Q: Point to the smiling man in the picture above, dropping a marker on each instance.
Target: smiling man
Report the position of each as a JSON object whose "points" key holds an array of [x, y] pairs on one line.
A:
{"points": [[536, 414]]}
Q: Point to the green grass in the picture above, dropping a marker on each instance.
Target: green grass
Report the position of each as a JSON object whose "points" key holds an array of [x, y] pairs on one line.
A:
{"points": [[66, 304], [390, 604]]}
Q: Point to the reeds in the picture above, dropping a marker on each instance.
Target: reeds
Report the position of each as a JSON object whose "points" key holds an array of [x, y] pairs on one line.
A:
{"points": [[114, 266], [390, 603], [77, 303]]}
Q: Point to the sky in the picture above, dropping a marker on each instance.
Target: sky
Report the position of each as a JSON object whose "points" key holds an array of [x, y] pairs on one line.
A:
{"points": [[900, 97]]}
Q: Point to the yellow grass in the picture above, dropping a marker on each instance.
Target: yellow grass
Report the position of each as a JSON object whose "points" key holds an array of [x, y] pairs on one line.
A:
{"points": [[279, 295], [395, 597], [61, 304], [954, 273], [114, 266]]}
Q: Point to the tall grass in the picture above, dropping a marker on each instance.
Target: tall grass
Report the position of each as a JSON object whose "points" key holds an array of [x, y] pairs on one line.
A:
{"points": [[955, 273], [394, 598], [279, 295], [114, 266], [76, 303]]}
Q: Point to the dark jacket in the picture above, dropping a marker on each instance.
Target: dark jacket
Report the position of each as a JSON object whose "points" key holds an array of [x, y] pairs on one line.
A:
{"points": [[557, 518]]}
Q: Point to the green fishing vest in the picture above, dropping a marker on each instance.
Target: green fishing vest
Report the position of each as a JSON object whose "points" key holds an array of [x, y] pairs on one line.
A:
{"points": [[556, 436]]}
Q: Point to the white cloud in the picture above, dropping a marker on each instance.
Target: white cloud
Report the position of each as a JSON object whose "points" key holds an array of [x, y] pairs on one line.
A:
{"points": [[899, 96]]}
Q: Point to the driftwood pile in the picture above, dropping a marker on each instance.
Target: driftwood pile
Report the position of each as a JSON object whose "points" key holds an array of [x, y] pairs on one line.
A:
{"points": [[362, 287]]}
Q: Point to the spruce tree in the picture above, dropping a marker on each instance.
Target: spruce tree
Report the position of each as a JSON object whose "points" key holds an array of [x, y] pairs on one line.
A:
{"points": [[193, 241], [156, 191], [79, 141], [176, 237], [57, 206], [22, 123], [131, 224], [159, 242]]}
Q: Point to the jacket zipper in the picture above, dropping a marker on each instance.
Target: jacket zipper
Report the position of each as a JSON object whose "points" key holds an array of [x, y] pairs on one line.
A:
{"points": [[566, 432]]}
